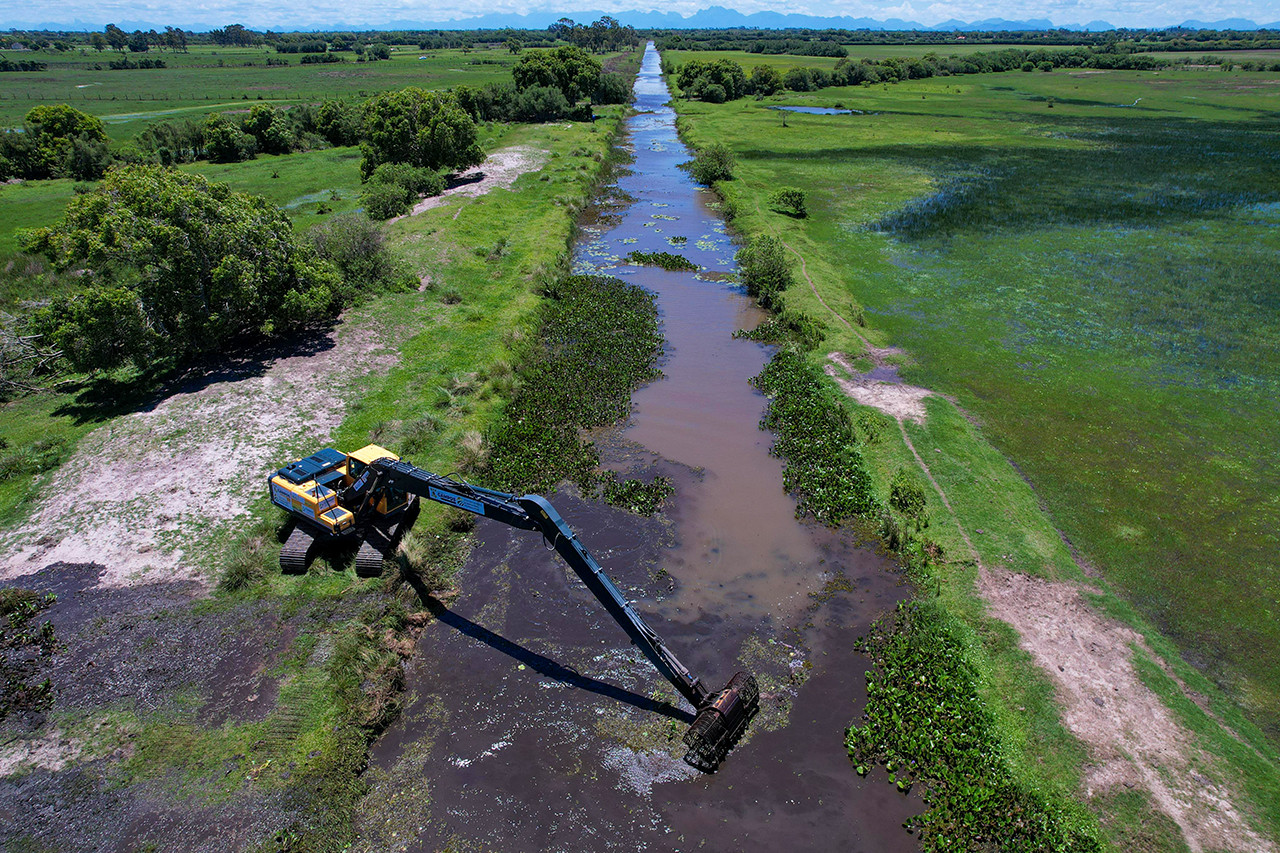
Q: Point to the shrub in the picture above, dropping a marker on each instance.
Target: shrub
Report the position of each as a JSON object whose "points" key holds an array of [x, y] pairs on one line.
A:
{"points": [[358, 247], [383, 201], [540, 103], [790, 200], [418, 180], [762, 266], [906, 494], [713, 163], [613, 89]]}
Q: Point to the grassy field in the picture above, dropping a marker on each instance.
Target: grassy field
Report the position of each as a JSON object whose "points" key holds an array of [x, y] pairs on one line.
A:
{"points": [[210, 78], [1084, 261]]}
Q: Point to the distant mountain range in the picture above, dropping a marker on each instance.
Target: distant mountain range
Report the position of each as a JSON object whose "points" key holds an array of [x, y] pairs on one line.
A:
{"points": [[713, 17]]}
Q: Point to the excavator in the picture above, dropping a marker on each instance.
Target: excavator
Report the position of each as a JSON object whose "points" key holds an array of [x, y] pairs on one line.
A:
{"points": [[337, 498]]}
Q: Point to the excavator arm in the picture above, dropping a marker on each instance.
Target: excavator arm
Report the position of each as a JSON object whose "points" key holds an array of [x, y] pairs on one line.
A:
{"points": [[722, 717]]}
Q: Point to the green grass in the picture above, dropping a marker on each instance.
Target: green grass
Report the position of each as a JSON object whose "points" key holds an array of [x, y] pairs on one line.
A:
{"points": [[1091, 277], [195, 82]]}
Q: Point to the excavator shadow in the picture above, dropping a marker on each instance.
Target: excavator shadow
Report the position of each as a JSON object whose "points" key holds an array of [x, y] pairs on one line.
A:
{"points": [[543, 665]]}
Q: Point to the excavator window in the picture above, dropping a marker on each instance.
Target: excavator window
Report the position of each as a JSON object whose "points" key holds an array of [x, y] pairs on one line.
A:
{"points": [[355, 468]]}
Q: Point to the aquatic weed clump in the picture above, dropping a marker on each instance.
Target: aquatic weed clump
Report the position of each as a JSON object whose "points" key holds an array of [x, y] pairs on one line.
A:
{"points": [[666, 260], [598, 340], [925, 722], [824, 466]]}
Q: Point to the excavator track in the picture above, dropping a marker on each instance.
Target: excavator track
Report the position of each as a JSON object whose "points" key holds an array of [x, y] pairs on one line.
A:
{"points": [[368, 561], [295, 553], [378, 545]]}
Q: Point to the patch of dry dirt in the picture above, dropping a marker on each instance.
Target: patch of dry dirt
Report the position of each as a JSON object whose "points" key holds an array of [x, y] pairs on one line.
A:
{"points": [[498, 171], [1133, 738], [879, 387], [52, 751], [145, 490]]}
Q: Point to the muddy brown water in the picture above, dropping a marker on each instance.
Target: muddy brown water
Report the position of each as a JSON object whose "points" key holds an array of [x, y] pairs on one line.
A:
{"points": [[531, 724]]}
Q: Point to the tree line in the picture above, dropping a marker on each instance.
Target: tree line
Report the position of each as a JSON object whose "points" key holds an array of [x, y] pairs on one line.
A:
{"points": [[720, 80]]}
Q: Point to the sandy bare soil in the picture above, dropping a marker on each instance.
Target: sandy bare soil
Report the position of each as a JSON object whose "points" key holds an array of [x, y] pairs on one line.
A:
{"points": [[146, 492], [499, 171], [879, 387], [1134, 740]]}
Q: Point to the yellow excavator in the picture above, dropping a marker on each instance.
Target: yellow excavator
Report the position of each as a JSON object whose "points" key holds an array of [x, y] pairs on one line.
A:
{"points": [[366, 496]]}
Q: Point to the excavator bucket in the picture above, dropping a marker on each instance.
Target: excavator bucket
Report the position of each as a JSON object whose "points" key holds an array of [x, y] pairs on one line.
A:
{"points": [[721, 722]]}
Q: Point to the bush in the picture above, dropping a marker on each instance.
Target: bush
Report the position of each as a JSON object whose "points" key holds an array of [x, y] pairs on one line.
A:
{"points": [[418, 180], [906, 494], [613, 89], [763, 268], [711, 164], [789, 200], [357, 246], [383, 201], [540, 103]]}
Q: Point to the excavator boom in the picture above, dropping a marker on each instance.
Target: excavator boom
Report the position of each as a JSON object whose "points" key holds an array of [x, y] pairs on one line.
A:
{"points": [[722, 717]]}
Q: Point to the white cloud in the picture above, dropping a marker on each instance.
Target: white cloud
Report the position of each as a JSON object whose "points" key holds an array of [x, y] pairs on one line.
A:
{"points": [[285, 13]]}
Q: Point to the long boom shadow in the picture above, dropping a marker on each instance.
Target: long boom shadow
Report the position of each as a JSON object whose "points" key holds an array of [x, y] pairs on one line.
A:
{"points": [[540, 663]]}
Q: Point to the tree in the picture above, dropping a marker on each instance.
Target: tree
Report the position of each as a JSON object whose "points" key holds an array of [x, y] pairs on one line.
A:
{"points": [[138, 42], [765, 80], [99, 42], [225, 142], [762, 266], [181, 267], [116, 37], [695, 76], [420, 128], [514, 46], [65, 143], [270, 129], [569, 68]]}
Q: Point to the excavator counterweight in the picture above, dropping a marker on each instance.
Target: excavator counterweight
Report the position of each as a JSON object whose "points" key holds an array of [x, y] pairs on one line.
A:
{"points": [[364, 496]]}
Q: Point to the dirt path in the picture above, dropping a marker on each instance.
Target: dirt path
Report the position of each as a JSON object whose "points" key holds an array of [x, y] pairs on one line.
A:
{"points": [[150, 494], [498, 171], [1132, 737]]}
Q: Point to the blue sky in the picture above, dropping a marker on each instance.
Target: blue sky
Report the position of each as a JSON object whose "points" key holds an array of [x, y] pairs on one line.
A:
{"points": [[281, 14]]}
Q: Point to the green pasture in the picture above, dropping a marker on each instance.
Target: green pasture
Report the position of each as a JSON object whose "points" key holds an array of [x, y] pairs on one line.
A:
{"points": [[211, 77], [1084, 261]]}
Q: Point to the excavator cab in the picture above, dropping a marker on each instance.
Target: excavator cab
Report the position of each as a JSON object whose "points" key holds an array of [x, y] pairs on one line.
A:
{"points": [[389, 499]]}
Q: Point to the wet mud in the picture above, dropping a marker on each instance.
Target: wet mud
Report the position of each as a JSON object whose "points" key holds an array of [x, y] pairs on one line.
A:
{"points": [[531, 723], [73, 778]]}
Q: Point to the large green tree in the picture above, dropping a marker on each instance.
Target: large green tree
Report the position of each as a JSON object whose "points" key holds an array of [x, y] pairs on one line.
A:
{"points": [[64, 143], [178, 266], [420, 128], [569, 68]]}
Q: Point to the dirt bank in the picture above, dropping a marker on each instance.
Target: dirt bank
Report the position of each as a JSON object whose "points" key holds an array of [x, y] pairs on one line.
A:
{"points": [[498, 171], [151, 494], [1133, 739]]}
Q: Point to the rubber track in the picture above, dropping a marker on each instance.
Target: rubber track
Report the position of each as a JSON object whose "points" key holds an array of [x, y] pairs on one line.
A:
{"points": [[295, 552]]}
